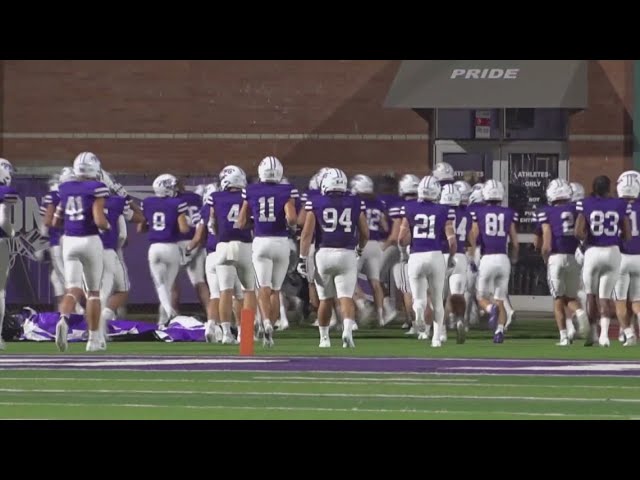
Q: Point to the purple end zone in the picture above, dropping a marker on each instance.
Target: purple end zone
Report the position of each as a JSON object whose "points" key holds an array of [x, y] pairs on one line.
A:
{"points": [[321, 364]]}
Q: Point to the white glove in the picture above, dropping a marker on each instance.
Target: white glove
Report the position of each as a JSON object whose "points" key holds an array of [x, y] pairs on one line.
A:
{"points": [[579, 255]]}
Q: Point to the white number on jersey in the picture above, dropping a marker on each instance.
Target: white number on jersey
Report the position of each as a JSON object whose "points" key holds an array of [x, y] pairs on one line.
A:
{"points": [[234, 213], [597, 220], [74, 209], [159, 221], [568, 223], [425, 226], [271, 203], [461, 229], [633, 218], [494, 225], [331, 220], [374, 216], [192, 216]]}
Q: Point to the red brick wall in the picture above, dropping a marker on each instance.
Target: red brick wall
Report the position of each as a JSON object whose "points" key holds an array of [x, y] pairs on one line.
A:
{"points": [[610, 113], [257, 97], [234, 97]]}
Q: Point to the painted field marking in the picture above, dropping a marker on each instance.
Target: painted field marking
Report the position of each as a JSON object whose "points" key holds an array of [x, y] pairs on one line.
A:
{"points": [[328, 381], [592, 367], [310, 409], [324, 395], [144, 363]]}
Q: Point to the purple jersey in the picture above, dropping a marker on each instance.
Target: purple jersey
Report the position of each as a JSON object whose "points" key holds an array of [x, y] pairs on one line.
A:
{"points": [[161, 214], [395, 211], [494, 224], [76, 204], [205, 216], [266, 204], [8, 196], [114, 206], [427, 221], [226, 207], [389, 199], [632, 247], [462, 228], [561, 219], [604, 218], [337, 218], [375, 211], [51, 198], [194, 203], [470, 210]]}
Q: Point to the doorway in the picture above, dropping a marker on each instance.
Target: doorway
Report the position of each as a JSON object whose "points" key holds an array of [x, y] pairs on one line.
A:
{"points": [[525, 168]]}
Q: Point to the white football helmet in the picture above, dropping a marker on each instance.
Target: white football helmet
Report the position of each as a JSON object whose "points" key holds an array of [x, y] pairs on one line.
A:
{"points": [[408, 185], [285, 181], [200, 190], [270, 170], [450, 196], [66, 175], [476, 194], [334, 180], [628, 185], [465, 191], [361, 184], [558, 189], [429, 188], [314, 182], [443, 172], [208, 190], [166, 185], [577, 192], [87, 165], [232, 169], [5, 177], [54, 182], [6, 165], [633, 173], [233, 178], [493, 191]]}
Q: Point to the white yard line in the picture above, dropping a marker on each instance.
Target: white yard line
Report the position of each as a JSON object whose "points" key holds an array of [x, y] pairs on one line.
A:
{"points": [[324, 395], [326, 381], [310, 409]]}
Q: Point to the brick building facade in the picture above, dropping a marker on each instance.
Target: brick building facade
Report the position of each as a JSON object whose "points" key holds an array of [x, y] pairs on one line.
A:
{"points": [[196, 116]]}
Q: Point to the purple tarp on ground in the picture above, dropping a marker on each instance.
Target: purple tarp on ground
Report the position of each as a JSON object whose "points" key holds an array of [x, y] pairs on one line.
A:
{"points": [[41, 327]]}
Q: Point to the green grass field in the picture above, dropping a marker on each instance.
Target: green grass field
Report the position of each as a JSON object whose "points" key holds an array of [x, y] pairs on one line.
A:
{"points": [[71, 391]]}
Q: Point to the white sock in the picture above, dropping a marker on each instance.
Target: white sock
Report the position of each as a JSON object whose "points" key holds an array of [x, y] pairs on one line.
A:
{"points": [[226, 328], [94, 335], [563, 334], [629, 332], [2, 308], [348, 325], [604, 326], [427, 329], [500, 328], [324, 332], [507, 306], [267, 323], [381, 314]]}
